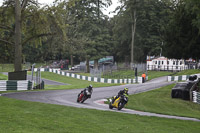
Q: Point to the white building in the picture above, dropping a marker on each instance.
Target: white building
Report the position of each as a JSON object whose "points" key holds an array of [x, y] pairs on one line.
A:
{"points": [[163, 63]]}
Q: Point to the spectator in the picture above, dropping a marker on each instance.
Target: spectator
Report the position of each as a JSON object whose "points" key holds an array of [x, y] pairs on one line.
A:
{"points": [[143, 77]]}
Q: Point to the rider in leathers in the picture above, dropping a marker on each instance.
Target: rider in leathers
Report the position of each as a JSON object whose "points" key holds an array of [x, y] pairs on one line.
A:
{"points": [[121, 92], [89, 88]]}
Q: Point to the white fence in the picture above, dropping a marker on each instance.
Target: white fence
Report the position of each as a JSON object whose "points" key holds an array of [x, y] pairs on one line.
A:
{"points": [[166, 68]]}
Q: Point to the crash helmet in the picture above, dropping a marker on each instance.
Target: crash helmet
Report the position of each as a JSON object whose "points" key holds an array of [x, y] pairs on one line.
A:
{"points": [[90, 87], [126, 90]]}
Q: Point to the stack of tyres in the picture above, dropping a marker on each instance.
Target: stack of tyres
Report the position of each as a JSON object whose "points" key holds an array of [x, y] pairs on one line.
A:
{"points": [[192, 77], [181, 90]]}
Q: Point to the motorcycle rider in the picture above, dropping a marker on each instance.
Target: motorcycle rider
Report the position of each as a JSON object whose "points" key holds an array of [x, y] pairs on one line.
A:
{"points": [[121, 92], [89, 88]]}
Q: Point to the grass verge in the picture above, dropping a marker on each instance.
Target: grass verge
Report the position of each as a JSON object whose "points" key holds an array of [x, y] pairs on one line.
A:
{"points": [[187, 72], [73, 82], [156, 74], [31, 117], [160, 101], [3, 77]]}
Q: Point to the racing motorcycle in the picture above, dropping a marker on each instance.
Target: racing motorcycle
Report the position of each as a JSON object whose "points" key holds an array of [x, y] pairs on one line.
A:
{"points": [[84, 95], [119, 103]]}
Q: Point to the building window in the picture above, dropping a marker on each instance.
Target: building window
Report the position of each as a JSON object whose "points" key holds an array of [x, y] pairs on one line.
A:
{"points": [[173, 62], [162, 62], [167, 62]]}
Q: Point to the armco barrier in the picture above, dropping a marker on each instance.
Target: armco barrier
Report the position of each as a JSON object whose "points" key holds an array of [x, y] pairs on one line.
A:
{"points": [[6, 85], [196, 97], [95, 79], [180, 78]]}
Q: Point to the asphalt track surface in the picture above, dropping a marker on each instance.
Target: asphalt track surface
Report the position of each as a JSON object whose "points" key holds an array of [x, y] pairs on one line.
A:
{"points": [[68, 97]]}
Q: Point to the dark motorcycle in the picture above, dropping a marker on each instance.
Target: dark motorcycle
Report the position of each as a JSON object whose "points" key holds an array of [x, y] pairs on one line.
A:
{"points": [[84, 95], [119, 103]]}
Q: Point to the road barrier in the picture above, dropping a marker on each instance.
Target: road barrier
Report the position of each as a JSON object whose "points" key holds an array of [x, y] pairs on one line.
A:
{"points": [[180, 78], [15, 85], [196, 97], [95, 79]]}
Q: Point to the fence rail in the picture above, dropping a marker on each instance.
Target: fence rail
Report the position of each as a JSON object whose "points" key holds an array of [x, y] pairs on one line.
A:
{"points": [[167, 68]]}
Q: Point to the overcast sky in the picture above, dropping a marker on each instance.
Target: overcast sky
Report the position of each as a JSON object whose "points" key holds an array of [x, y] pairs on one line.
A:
{"points": [[111, 8]]}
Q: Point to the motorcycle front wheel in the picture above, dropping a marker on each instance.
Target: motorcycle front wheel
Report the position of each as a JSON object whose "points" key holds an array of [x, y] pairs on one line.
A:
{"points": [[77, 100], [120, 105], [110, 106]]}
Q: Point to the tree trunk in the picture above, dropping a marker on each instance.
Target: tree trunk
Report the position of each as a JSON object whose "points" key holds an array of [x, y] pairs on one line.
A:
{"points": [[18, 46], [134, 19], [72, 61], [96, 64], [87, 65]]}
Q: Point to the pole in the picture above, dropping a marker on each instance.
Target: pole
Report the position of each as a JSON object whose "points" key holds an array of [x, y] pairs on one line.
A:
{"points": [[32, 69]]}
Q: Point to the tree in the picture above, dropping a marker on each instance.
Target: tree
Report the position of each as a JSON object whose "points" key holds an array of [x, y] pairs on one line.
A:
{"points": [[152, 15], [19, 10], [182, 35], [18, 45], [86, 27], [38, 26]]}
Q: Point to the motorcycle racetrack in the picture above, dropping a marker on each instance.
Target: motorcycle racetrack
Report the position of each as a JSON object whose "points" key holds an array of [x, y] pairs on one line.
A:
{"points": [[69, 97]]}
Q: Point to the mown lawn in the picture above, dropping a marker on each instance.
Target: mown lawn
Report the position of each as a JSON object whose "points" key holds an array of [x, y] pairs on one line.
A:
{"points": [[18, 116], [31, 117], [10, 67], [156, 74], [125, 74], [160, 101], [73, 82], [3, 77], [188, 72]]}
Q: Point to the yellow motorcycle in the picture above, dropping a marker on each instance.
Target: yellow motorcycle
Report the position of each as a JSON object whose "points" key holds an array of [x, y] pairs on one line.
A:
{"points": [[119, 103]]}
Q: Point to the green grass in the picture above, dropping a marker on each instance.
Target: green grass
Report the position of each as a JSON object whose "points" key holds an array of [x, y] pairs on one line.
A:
{"points": [[73, 82], [84, 74], [160, 101], [18, 116], [3, 77], [6, 67], [22, 116], [120, 74], [10, 67], [188, 72], [156, 74], [131, 74]]}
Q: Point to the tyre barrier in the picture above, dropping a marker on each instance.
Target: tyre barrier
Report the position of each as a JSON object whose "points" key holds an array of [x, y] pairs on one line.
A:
{"points": [[196, 97], [181, 90], [183, 77], [184, 90], [6, 85]]}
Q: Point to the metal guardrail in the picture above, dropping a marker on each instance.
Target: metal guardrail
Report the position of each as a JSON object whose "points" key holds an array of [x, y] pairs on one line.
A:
{"points": [[6, 85], [193, 88], [196, 97]]}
